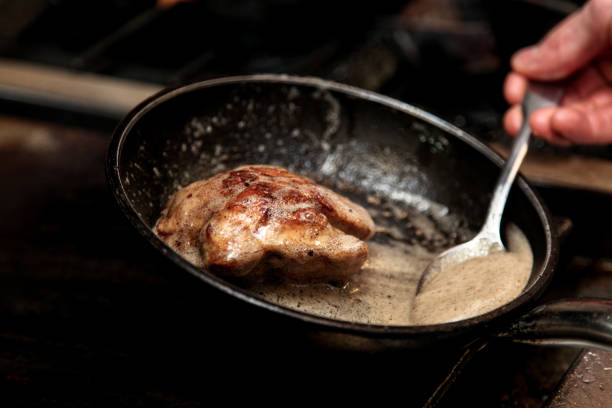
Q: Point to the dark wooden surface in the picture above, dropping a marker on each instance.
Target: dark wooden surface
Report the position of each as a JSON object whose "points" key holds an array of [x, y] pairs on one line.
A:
{"points": [[90, 315]]}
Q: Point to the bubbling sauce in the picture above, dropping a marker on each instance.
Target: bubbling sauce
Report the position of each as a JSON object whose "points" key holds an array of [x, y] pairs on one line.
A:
{"points": [[383, 292]]}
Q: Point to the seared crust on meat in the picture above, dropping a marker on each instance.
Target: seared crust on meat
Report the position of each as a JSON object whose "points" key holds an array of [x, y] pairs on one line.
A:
{"points": [[258, 220]]}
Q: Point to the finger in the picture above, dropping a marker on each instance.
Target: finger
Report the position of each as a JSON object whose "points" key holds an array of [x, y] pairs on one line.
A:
{"points": [[541, 126], [584, 127], [583, 85], [513, 119], [514, 88], [602, 98], [570, 45], [540, 122]]}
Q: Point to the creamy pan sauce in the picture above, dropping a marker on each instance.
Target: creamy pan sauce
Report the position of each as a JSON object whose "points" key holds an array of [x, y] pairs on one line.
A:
{"points": [[477, 285], [383, 293]]}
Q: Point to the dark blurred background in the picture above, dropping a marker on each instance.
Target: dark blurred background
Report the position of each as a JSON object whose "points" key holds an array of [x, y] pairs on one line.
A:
{"points": [[91, 316], [448, 56]]}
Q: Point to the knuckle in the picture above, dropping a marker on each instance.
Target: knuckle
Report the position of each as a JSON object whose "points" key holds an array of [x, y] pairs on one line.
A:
{"points": [[600, 11]]}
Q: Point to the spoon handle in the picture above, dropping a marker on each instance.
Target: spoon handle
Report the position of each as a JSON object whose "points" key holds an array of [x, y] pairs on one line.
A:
{"points": [[506, 178], [538, 95]]}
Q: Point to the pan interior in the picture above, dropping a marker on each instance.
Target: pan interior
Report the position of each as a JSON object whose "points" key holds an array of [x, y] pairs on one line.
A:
{"points": [[422, 185]]}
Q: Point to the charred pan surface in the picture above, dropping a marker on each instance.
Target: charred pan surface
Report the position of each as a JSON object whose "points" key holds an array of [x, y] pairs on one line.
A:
{"points": [[259, 220]]}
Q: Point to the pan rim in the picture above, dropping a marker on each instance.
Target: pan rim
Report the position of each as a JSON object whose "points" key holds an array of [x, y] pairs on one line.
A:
{"points": [[530, 294]]}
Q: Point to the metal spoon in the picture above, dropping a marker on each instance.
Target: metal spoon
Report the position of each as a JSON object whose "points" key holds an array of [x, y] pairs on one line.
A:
{"points": [[488, 240]]}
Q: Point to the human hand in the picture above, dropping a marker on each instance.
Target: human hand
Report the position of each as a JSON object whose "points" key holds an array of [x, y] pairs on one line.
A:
{"points": [[579, 49]]}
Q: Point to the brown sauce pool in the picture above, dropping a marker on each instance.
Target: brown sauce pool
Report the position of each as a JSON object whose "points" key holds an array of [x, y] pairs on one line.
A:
{"points": [[383, 292]]}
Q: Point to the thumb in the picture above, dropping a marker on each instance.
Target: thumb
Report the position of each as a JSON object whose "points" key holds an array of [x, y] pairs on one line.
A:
{"points": [[570, 45]]}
